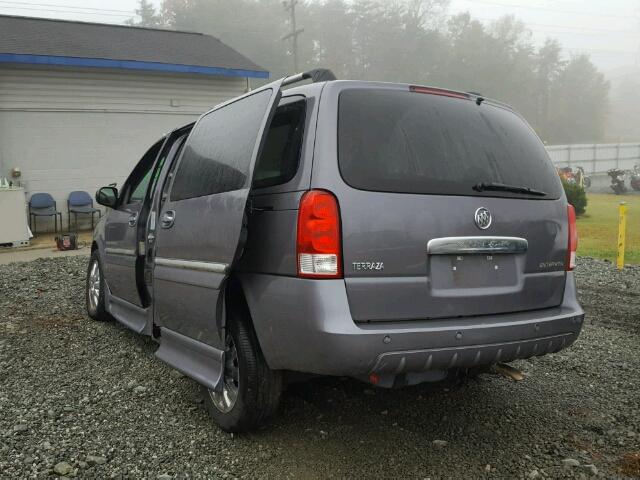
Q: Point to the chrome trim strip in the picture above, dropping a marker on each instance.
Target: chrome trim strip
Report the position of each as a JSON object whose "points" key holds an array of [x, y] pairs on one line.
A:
{"points": [[192, 265], [121, 251], [476, 245]]}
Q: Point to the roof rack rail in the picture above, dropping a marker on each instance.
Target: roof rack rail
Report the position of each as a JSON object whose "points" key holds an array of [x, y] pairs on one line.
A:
{"points": [[316, 75]]}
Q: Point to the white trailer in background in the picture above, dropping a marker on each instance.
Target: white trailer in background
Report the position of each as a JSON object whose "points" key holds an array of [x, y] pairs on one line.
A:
{"points": [[596, 159]]}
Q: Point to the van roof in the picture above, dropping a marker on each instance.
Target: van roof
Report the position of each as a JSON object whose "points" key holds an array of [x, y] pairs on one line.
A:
{"points": [[314, 88]]}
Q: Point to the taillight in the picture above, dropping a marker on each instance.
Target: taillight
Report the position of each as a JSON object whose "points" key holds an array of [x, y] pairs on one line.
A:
{"points": [[572, 247], [438, 91], [319, 242]]}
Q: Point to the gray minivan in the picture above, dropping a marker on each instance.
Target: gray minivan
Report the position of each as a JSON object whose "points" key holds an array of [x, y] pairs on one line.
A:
{"points": [[385, 232]]}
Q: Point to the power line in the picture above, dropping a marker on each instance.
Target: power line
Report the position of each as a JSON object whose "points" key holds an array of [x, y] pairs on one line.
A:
{"points": [[553, 32], [555, 10], [578, 50], [295, 32], [32, 4], [568, 28], [120, 15], [598, 51]]}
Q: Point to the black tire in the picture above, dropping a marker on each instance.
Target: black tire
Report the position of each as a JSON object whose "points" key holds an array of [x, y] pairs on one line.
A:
{"points": [[587, 182], [96, 310], [259, 387]]}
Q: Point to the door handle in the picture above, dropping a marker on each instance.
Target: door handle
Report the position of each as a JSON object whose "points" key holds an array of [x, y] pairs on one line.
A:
{"points": [[133, 219], [168, 218]]}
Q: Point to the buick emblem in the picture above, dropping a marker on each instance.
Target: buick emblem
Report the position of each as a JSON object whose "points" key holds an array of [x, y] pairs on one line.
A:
{"points": [[483, 218]]}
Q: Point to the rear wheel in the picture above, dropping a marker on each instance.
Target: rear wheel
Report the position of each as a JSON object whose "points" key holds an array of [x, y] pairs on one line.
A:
{"points": [[225, 399], [250, 391], [95, 287]]}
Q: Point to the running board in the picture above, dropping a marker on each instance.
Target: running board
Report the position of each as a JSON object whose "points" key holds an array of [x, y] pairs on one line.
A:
{"points": [[128, 314], [196, 360]]}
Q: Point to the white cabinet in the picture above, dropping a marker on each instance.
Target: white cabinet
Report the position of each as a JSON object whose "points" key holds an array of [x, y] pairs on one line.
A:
{"points": [[14, 227]]}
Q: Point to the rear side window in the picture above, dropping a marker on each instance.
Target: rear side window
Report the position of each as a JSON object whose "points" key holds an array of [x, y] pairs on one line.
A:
{"points": [[405, 142], [218, 152], [280, 156]]}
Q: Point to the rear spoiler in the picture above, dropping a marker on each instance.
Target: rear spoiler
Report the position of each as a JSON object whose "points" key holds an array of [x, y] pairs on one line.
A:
{"points": [[316, 75]]}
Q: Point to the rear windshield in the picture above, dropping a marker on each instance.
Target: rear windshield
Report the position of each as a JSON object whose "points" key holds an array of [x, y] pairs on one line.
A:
{"points": [[406, 142]]}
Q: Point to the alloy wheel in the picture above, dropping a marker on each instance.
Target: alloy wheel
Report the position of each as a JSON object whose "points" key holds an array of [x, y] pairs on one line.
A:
{"points": [[94, 285], [225, 399]]}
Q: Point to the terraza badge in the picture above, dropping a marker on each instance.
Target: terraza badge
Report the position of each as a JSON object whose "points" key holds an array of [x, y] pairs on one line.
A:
{"points": [[368, 266]]}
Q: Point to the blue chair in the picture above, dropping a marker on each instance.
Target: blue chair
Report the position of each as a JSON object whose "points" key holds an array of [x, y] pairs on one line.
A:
{"points": [[81, 202], [43, 205]]}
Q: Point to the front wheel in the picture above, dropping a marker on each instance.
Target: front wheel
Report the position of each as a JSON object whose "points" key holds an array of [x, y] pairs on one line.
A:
{"points": [[249, 392], [94, 290]]}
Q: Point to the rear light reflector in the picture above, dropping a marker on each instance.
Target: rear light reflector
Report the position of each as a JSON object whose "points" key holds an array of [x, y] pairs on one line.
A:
{"points": [[319, 244], [438, 91], [572, 247], [312, 264]]}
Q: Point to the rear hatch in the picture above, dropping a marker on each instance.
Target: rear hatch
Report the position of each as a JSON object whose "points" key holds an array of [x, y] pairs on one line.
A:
{"points": [[432, 227]]}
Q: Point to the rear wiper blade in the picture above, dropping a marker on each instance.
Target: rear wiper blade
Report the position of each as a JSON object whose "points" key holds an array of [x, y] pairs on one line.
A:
{"points": [[501, 187]]}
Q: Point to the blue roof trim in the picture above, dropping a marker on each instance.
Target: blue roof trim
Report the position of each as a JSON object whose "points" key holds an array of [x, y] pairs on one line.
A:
{"points": [[127, 65]]}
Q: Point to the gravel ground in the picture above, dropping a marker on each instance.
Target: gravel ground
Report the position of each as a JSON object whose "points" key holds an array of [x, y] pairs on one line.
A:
{"points": [[85, 399]]}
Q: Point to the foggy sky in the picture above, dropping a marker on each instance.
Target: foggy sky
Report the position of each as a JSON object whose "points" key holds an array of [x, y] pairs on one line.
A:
{"points": [[608, 31]]}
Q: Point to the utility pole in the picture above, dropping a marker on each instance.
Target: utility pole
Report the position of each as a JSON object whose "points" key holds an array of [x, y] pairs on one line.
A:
{"points": [[290, 6]]}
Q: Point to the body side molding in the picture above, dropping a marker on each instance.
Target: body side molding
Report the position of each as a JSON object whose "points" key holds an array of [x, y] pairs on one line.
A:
{"points": [[130, 252], [193, 265]]}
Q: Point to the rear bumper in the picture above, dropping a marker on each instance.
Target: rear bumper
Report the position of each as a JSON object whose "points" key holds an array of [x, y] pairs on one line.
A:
{"points": [[306, 326]]}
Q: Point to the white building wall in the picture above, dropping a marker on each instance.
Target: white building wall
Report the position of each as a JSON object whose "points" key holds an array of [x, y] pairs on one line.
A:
{"points": [[72, 129]]}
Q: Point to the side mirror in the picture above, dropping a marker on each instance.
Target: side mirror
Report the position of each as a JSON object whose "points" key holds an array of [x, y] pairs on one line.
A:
{"points": [[107, 196]]}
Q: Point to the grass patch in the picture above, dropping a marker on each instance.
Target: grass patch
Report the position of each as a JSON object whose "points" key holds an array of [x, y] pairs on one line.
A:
{"points": [[598, 228]]}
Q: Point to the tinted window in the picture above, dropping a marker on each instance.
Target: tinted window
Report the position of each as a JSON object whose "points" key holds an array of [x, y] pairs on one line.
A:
{"points": [[280, 156], [408, 142], [139, 191], [171, 154], [218, 152], [137, 183]]}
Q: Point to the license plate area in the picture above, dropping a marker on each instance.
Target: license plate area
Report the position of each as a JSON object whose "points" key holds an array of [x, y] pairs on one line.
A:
{"points": [[472, 271]]}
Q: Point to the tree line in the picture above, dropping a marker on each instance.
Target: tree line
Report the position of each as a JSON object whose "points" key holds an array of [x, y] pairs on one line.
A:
{"points": [[412, 41]]}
